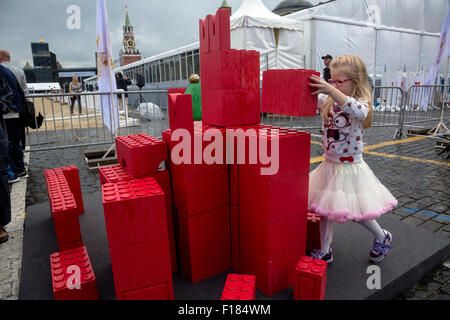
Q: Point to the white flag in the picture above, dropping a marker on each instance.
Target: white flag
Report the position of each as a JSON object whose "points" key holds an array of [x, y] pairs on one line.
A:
{"points": [[105, 66], [442, 53]]}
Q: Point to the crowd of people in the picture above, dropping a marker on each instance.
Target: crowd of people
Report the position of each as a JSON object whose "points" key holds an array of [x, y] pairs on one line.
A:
{"points": [[13, 88]]}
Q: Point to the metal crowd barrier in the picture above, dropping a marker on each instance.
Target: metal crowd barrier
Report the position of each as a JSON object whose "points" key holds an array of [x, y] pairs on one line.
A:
{"points": [[62, 129], [419, 97]]}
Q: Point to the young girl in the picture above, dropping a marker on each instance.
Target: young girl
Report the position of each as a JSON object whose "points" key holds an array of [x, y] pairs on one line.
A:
{"points": [[343, 188]]}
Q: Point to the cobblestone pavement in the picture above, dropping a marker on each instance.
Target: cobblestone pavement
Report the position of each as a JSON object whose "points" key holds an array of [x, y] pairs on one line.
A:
{"points": [[412, 170], [11, 251]]}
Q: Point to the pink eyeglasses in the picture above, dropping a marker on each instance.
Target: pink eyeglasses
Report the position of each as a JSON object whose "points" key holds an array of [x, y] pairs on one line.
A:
{"points": [[338, 83]]}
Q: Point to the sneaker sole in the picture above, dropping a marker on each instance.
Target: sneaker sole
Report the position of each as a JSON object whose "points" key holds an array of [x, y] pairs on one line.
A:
{"points": [[380, 258]]}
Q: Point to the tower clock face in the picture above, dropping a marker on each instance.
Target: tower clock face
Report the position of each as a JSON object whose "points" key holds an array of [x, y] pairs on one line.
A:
{"points": [[130, 43]]}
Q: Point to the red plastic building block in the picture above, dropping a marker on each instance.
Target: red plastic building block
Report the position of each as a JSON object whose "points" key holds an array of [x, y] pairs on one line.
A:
{"points": [[274, 200], [160, 291], [180, 112], [310, 279], [73, 179], [273, 240], [204, 244], [215, 31], [113, 174], [239, 287], [272, 275], [135, 211], [196, 167], [140, 154], [176, 90], [64, 265], [235, 237], [289, 152], [288, 92], [313, 232], [141, 265], [230, 107], [201, 193], [222, 69]]}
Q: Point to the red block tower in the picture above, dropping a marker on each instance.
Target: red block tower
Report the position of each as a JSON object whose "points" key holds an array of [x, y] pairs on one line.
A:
{"points": [[136, 225], [313, 232], [230, 78], [64, 210]]}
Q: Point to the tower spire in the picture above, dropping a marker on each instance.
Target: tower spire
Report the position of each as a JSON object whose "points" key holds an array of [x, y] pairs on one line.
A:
{"points": [[127, 19]]}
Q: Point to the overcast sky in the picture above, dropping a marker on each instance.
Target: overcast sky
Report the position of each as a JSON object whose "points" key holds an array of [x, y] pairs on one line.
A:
{"points": [[158, 25]]}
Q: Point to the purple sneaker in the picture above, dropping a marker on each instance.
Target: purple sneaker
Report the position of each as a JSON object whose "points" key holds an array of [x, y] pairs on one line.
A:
{"points": [[380, 249], [325, 256]]}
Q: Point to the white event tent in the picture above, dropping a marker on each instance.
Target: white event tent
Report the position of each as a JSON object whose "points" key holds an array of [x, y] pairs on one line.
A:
{"points": [[278, 39], [390, 35]]}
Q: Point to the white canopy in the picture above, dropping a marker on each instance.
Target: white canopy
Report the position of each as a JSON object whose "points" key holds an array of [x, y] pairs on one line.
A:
{"points": [[253, 13], [278, 39], [389, 35]]}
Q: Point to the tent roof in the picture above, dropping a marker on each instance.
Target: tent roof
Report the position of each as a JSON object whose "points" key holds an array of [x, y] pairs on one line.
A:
{"points": [[253, 13]]}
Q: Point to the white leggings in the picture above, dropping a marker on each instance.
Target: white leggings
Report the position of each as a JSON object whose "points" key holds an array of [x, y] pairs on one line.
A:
{"points": [[326, 231]]}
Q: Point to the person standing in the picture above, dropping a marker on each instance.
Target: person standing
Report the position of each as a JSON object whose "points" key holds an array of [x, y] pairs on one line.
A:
{"points": [[75, 87], [6, 97], [122, 83], [326, 71], [13, 126], [5, 60]]}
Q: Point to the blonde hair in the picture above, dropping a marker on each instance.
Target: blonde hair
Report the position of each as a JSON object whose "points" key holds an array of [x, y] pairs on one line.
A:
{"points": [[75, 79], [355, 69]]}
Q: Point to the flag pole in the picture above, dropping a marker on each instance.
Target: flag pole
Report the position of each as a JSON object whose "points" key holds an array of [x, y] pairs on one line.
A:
{"points": [[112, 108], [441, 127]]}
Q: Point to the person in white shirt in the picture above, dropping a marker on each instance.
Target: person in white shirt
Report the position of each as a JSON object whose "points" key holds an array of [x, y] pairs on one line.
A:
{"points": [[343, 188]]}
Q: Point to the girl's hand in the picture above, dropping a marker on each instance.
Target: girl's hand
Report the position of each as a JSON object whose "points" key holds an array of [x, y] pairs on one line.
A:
{"points": [[321, 85]]}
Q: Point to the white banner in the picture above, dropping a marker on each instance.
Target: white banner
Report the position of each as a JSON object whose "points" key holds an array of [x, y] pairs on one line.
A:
{"points": [[442, 54], [105, 66]]}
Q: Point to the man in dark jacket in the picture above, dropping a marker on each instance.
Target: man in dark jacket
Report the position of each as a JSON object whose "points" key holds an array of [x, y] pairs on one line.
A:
{"points": [[6, 97], [122, 83], [326, 72], [13, 126]]}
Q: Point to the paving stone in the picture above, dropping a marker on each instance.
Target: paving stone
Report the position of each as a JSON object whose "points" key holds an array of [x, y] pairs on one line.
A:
{"points": [[446, 228], [425, 216], [443, 219], [431, 225], [425, 288], [413, 221], [441, 274]]}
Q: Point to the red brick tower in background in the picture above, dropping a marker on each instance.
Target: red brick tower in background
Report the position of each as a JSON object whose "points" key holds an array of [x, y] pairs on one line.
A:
{"points": [[129, 54]]}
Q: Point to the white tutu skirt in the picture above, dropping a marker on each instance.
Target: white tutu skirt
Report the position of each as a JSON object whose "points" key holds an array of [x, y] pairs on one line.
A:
{"points": [[348, 192]]}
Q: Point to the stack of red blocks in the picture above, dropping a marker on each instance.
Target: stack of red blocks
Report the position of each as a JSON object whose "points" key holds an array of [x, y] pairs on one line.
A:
{"points": [[115, 174], [72, 275], [230, 78], [64, 209], [200, 193], [239, 287], [136, 226], [273, 209]]}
